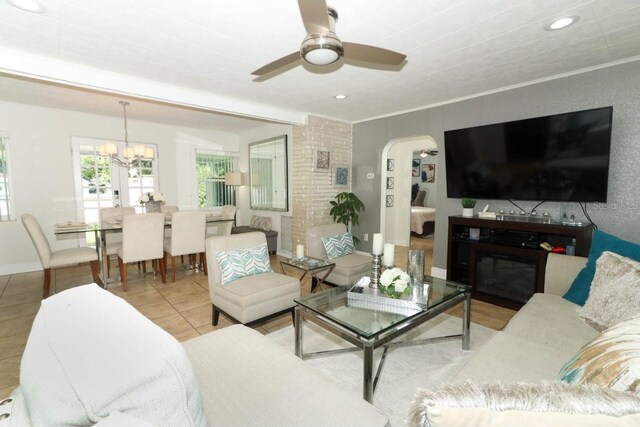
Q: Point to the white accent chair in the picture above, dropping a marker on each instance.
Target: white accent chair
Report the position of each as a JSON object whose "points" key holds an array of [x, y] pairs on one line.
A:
{"points": [[250, 299], [142, 240], [187, 238], [349, 268], [61, 258], [113, 240]]}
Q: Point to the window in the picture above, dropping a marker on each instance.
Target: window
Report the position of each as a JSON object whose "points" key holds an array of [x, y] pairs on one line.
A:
{"points": [[212, 190], [6, 193], [101, 184]]}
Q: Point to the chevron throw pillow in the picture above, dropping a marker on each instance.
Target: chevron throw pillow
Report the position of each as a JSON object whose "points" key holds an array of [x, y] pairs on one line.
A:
{"points": [[261, 222], [339, 245], [243, 262]]}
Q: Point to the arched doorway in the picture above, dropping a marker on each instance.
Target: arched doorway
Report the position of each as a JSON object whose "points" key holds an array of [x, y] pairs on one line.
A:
{"points": [[399, 174]]}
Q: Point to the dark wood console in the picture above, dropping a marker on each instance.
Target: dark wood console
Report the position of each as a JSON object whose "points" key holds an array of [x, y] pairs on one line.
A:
{"points": [[505, 265]]}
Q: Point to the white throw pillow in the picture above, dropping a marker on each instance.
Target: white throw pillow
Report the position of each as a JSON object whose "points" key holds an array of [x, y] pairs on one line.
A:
{"points": [[547, 403], [90, 354], [615, 291]]}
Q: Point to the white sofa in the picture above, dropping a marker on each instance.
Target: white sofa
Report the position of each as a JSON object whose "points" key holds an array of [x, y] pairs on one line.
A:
{"points": [[513, 379], [92, 359]]}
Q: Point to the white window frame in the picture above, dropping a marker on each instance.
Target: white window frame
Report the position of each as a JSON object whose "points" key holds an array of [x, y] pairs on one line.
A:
{"points": [[236, 167], [6, 179], [119, 175]]}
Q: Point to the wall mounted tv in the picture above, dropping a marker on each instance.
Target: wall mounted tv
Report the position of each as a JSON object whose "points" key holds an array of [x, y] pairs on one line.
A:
{"points": [[564, 157]]}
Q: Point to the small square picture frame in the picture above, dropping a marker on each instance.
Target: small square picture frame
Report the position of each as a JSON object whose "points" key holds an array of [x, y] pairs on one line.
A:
{"points": [[390, 183], [341, 176], [390, 201], [390, 165], [322, 160]]}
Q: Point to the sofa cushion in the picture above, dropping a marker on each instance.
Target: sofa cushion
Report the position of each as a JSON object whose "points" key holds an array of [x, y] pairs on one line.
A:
{"points": [[579, 290], [248, 380], [261, 222], [615, 291], [349, 269], [90, 353], [510, 358], [612, 359], [551, 321], [243, 262], [338, 245], [522, 404]]}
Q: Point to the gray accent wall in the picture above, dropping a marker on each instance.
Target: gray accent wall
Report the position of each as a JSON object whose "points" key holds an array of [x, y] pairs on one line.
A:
{"points": [[618, 86]]}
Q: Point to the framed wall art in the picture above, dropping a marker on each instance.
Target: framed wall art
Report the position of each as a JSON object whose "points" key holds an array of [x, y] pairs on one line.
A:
{"points": [[389, 165], [390, 183], [341, 175], [415, 167], [322, 160], [428, 172], [390, 201]]}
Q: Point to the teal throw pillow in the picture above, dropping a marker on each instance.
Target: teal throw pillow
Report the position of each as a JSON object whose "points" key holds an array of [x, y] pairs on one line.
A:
{"points": [[579, 290], [243, 262], [339, 245]]}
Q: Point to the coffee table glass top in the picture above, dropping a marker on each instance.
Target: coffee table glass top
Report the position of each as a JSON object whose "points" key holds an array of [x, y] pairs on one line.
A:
{"points": [[369, 322], [307, 263]]}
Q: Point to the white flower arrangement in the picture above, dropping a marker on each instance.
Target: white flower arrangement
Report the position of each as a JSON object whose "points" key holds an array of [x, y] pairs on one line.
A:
{"points": [[151, 196], [395, 282]]}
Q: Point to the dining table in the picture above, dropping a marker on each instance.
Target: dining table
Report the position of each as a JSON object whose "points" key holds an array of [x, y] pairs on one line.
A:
{"points": [[100, 231]]}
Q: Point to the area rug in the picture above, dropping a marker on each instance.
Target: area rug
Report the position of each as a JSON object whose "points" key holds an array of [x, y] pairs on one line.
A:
{"points": [[405, 368]]}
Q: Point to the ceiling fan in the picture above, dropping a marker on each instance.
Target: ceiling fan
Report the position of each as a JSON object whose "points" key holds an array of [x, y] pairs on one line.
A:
{"points": [[322, 46]]}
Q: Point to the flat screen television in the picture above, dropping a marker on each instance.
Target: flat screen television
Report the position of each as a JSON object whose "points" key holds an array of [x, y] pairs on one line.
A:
{"points": [[564, 157]]}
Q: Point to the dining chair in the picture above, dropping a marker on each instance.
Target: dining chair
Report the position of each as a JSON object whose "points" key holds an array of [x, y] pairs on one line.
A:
{"points": [[61, 258], [113, 240], [142, 240], [223, 228], [188, 230], [168, 210]]}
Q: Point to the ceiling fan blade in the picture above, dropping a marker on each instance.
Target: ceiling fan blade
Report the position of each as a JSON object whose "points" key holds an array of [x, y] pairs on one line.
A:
{"points": [[315, 16], [278, 63], [377, 55]]}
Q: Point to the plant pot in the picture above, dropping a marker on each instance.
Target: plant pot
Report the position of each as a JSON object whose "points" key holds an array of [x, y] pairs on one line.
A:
{"points": [[467, 212]]}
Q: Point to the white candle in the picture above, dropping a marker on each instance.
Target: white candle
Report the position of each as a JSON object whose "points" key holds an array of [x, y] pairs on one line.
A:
{"points": [[389, 258], [377, 244], [299, 251]]}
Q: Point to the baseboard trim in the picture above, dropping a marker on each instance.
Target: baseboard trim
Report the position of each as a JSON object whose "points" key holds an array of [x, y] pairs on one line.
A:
{"points": [[440, 273], [20, 268]]}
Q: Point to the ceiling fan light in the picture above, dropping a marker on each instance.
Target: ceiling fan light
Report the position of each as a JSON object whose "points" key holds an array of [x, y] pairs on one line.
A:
{"points": [[424, 154], [321, 50]]}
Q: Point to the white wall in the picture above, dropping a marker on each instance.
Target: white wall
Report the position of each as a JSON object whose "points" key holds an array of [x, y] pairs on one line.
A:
{"points": [[41, 162], [244, 206]]}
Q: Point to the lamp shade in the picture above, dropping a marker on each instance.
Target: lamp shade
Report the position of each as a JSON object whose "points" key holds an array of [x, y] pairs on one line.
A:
{"points": [[233, 178]]}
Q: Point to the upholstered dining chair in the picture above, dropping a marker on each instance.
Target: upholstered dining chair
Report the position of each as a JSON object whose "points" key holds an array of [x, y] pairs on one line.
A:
{"points": [[223, 228], [113, 240], [60, 258], [187, 238], [142, 240], [255, 293]]}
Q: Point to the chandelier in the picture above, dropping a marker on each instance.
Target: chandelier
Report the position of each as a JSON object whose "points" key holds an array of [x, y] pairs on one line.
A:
{"points": [[132, 152]]}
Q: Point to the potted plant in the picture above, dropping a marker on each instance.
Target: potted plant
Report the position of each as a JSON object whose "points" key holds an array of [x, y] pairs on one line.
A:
{"points": [[344, 210], [467, 207]]}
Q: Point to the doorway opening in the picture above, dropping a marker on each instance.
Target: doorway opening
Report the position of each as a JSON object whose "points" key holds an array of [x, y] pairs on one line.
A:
{"points": [[408, 196]]}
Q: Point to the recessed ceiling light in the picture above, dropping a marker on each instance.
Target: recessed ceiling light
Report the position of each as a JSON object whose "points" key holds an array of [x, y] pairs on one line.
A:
{"points": [[340, 96], [33, 6], [560, 23]]}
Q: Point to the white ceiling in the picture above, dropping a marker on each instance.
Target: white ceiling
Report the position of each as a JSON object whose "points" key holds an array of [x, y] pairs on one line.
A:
{"points": [[455, 49]]}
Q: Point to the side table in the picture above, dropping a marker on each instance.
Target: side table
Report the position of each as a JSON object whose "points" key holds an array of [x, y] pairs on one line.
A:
{"points": [[313, 266]]}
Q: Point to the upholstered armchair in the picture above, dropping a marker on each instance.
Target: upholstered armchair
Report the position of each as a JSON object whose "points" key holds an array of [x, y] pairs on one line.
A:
{"points": [[249, 298], [187, 238], [349, 268], [55, 259]]}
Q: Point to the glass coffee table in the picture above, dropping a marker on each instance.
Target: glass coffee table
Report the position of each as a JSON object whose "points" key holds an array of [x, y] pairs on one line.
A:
{"points": [[368, 325], [313, 266]]}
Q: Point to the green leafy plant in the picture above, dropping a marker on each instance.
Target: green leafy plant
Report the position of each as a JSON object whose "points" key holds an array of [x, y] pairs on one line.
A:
{"points": [[345, 209], [468, 203]]}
